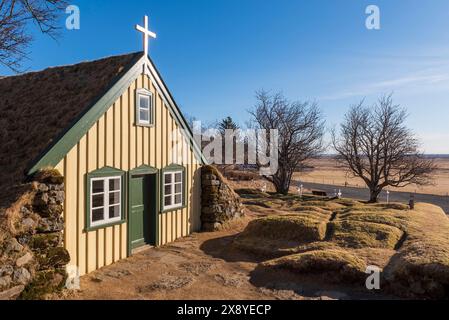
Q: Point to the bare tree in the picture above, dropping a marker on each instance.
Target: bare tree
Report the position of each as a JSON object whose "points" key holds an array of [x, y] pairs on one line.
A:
{"points": [[301, 131], [14, 17], [375, 145]]}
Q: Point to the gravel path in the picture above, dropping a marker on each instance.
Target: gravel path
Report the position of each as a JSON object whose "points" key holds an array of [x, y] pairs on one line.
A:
{"points": [[363, 194]]}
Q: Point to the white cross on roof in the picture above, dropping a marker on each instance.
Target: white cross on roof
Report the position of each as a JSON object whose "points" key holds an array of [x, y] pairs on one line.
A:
{"points": [[146, 34]]}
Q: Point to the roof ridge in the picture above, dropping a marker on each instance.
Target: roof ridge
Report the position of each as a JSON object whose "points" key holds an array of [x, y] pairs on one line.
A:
{"points": [[69, 65]]}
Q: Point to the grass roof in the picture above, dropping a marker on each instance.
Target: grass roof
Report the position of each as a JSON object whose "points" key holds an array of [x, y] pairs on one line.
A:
{"points": [[37, 107]]}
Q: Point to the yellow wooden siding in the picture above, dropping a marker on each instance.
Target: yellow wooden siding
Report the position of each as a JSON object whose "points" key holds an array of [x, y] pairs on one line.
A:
{"points": [[115, 141]]}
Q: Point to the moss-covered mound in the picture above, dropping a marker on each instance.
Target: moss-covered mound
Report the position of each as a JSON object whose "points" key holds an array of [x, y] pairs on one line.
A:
{"points": [[362, 234], [332, 264], [340, 236]]}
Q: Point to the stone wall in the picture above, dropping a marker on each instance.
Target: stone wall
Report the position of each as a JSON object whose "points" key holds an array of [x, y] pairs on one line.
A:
{"points": [[219, 202], [32, 256]]}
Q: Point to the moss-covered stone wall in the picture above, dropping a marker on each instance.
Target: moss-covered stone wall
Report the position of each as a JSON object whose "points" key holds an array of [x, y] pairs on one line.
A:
{"points": [[219, 202], [32, 255]]}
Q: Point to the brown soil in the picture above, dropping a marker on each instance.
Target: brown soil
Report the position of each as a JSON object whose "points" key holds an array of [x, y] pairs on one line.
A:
{"points": [[202, 266]]}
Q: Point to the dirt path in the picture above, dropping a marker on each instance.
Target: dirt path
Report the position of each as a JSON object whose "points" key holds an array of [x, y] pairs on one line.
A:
{"points": [[200, 267]]}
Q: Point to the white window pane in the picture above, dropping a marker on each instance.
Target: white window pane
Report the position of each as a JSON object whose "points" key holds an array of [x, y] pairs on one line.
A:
{"points": [[114, 212], [114, 184], [97, 200], [178, 188], [167, 189], [97, 186], [178, 199], [144, 115], [114, 197], [97, 215], [167, 201], [144, 102], [178, 177], [168, 178]]}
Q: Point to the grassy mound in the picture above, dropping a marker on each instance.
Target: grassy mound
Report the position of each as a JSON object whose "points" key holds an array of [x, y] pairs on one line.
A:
{"points": [[276, 236], [360, 234], [305, 227], [332, 264], [340, 236], [421, 266]]}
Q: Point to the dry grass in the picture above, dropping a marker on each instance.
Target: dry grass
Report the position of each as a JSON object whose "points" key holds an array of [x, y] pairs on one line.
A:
{"points": [[327, 171], [361, 234], [327, 235], [304, 227], [333, 264]]}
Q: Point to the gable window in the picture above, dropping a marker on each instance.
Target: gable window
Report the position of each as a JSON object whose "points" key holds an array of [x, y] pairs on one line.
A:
{"points": [[144, 108], [173, 184], [105, 198]]}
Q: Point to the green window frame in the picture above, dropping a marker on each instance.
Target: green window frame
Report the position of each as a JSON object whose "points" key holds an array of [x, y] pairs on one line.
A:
{"points": [[170, 190], [105, 196], [145, 111]]}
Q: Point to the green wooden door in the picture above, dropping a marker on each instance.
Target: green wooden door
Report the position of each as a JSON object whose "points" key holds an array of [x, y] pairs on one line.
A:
{"points": [[141, 196]]}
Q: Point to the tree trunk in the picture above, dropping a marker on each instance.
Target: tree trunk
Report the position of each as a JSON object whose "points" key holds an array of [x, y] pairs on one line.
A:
{"points": [[374, 195], [282, 182]]}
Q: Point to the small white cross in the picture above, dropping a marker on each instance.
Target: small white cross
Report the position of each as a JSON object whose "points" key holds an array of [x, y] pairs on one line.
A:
{"points": [[146, 34]]}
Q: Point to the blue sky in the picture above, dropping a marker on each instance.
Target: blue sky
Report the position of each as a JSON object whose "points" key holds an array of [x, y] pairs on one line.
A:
{"points": [[214, 54]]}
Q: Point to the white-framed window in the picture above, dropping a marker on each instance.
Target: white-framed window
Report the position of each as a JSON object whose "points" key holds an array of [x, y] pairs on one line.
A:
{"points": [[105, 200], [173, 189], [144, 108]]}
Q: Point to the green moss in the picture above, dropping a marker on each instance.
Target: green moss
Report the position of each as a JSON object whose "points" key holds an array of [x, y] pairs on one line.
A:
{"points": [[54, 258], [44, 241], [45, 282]]}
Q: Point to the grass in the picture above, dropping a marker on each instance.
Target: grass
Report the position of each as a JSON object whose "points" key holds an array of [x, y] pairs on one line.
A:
{"points": [[333, 264], [362, 234], [341, 237], [305, 227]]}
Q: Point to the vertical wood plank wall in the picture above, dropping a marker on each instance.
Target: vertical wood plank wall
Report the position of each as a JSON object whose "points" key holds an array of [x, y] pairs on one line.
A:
{"points": [[116, 142]]}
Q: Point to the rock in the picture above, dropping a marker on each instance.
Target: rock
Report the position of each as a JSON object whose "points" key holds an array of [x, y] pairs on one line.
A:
{"points": [[6, 270], [41, 200], [25, 211], [21, 276], [24, 260], [211, 183], [45, 282], [57, 197], [12, 293], [12, 245], [44, 241], [54, 258], [53, 210], [5, 282], [219, 203], [42, 187], [56, 187], [55, 224], [29, 224], [211, 226]]}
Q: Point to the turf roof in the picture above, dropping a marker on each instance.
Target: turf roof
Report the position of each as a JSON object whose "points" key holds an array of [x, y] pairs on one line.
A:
{"points": [[38, 107]]}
